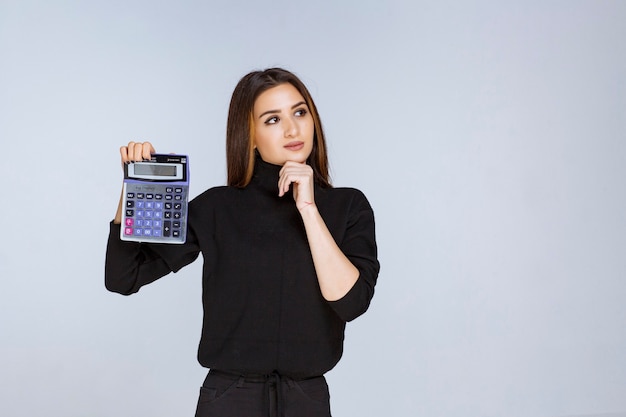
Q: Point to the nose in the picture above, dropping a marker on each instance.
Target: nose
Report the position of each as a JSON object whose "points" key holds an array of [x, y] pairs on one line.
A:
{"points": [[291, 127]]}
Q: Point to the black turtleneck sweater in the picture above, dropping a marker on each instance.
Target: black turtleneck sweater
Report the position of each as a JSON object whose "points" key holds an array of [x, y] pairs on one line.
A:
{"points": [[263, 309]]}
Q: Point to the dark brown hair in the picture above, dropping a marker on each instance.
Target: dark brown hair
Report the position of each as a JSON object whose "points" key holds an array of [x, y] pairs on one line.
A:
{"points": [[240, 152]]}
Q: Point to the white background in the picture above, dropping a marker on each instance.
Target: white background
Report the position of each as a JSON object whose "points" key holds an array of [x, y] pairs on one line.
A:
{"points": [[488, 136]]}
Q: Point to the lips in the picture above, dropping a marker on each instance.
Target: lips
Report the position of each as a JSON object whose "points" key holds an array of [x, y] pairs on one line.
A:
{"points": [[295, 145]]}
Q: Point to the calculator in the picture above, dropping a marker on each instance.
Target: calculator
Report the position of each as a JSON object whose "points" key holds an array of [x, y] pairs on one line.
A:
{"points": [[155, 198]]}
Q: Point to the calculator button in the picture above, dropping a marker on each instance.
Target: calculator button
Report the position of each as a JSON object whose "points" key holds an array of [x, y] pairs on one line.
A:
{"points": [[137, 232], [168, 196], [149, 196], [147, 232], [179, 190], [156, 233], [169, 189], [157, 223], [130, 195], [139, 213], [158, 214], [178, 197], [140, 195], [130, 204], [149, 205], [147, 223], [130, 213], [128, 231], [175, 233], [167, 229], [168, 206], [177, 214], [128, 222], [178, 206], [138, 223], [168, 214], [158, 205], [140, 204], [158, 196]]}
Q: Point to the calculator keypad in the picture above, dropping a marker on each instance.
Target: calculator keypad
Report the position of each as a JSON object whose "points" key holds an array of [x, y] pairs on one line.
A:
{"points": [[154, 216]]}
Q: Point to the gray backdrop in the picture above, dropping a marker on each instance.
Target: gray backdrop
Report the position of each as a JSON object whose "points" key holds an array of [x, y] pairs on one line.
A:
{"points": [[489, 137]]}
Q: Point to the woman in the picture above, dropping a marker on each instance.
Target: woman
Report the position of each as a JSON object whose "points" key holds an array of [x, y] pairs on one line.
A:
{"points": [[288, 259]]}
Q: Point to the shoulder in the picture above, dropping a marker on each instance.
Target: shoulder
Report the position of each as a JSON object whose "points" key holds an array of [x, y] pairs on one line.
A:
{"points": [[344, 193], [212, 196], [351, 199]]}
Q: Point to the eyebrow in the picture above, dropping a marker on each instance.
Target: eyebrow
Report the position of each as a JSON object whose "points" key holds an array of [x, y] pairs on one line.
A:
{"points": [[278, 111]]}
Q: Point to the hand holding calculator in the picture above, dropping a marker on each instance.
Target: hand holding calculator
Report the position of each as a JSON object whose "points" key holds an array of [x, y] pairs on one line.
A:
{"points": [[155, 195]]}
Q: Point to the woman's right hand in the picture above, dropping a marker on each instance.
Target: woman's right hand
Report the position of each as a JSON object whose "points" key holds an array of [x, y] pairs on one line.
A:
{"points": [[133, 152], [136, 151]]}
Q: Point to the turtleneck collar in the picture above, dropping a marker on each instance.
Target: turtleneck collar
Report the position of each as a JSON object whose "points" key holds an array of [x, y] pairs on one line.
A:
{"points": [[265, 175]]}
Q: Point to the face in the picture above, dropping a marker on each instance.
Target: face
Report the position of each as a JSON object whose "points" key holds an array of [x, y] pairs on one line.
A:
{"points": [[283, 125]]}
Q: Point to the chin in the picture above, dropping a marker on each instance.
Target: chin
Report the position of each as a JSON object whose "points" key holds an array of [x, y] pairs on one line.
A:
{"points": [[300, 159]]}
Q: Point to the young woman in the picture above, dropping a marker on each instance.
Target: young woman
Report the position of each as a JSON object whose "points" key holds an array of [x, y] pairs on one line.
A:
{"points": [[288, 260]]}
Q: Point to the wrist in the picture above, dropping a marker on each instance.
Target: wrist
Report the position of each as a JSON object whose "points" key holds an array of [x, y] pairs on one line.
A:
{"points": [[307, 207]]}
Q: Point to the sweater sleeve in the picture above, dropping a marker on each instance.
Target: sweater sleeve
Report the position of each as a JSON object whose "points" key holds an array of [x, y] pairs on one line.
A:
{"points": [[359, 245], [131, 265]]}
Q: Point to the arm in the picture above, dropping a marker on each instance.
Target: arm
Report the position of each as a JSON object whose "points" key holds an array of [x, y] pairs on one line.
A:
{"points": [[346, 274], [335, 273], [130, 265]]}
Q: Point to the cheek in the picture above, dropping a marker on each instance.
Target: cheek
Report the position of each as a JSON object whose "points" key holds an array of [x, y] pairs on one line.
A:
{"points": [[267, 145], [310, 128], [262, 139]]}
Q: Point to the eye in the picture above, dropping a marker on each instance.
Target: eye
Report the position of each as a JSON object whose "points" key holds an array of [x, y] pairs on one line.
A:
{"points": [[272, 120], [300, 112]]}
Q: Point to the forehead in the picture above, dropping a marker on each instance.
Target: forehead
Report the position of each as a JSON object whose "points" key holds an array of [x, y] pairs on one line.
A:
{"points": [[283, 95]]}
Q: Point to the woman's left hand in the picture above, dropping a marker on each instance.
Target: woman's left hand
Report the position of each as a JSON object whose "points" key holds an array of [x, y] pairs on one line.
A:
{"points": [[301, 176]]}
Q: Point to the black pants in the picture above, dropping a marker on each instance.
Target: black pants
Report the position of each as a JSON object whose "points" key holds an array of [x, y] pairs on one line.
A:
{"points": [[226, 394]]}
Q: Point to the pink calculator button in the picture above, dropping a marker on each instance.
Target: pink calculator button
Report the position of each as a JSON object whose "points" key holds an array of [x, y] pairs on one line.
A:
{"points": [[128, 231], [129, 222]]}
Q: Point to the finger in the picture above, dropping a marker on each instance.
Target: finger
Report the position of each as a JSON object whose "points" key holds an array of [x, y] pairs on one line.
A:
{"points": [[283, 186], [131, 150], [124, 154], [284, 182], [147, 150], [137, 152]]}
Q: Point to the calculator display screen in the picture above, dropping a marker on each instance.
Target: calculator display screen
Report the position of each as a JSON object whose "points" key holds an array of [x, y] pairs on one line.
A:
{"points": [[155, 169]]}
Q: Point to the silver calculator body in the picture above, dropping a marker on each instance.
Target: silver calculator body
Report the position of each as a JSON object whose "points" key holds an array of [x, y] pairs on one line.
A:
{"points": [[155, 200]]}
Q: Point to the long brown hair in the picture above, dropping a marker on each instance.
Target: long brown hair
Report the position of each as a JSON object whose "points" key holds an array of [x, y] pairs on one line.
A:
{"points": [[240, 152]]}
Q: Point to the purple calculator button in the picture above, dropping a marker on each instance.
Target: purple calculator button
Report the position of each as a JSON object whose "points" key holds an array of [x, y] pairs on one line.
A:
{"points": [[156, 233], [147, 232], [137, 232]]}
